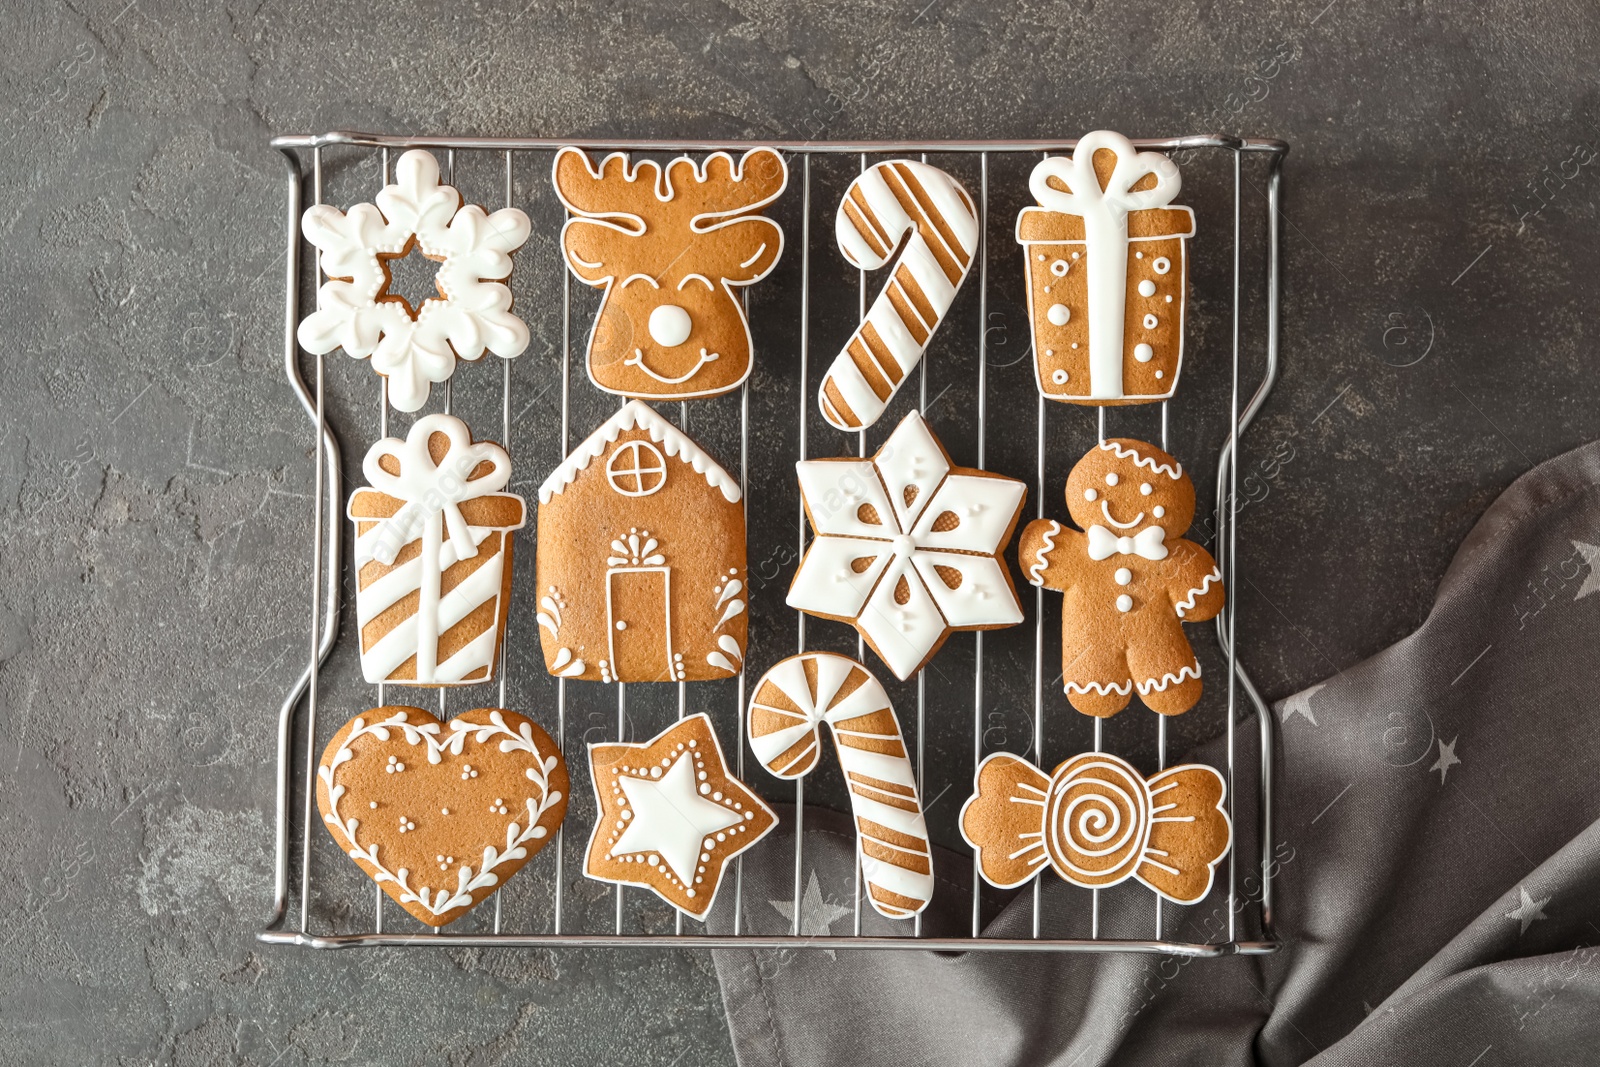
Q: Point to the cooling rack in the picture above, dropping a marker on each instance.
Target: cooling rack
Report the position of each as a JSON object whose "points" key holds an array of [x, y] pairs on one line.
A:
{"points": [[315, 887]]}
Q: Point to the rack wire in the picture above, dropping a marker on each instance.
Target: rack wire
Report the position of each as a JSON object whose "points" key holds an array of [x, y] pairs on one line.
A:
{"points": [[298, 715]]}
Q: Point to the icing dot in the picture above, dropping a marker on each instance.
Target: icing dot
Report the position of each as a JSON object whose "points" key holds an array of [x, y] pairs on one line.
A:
{"points": [[1074, 255], [1124, 602], [1041, 257], [1138, 255], [747, 815], [1059, 377], [1074, 344], [1145, 489], [444, 811], [1161, 374], [1158, 511], [1091, 495], [1059, 268], [1058, 314], [622, 624], [1169, 298], [374, 804], [655, 772], [717, 795], [688, 892], [1049, 351], [669, 326], [1150, 322], [705, 857], [1147, 288], [1111, 478], [654, 860], [704, 788], [710, 844], [722, 837], [1161, 265], [1123, 576]]}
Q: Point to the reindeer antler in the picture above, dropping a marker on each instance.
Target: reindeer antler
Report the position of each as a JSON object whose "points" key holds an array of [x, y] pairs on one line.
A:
{"points": [[594, 193], [719, 188]]}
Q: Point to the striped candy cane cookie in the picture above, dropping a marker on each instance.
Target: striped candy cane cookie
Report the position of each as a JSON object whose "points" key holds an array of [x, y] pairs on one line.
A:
{"points": [[885, 203], [791, 702]]}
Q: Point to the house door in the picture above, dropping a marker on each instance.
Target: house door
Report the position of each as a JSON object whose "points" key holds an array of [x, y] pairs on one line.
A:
{"points": [[639, 622]]}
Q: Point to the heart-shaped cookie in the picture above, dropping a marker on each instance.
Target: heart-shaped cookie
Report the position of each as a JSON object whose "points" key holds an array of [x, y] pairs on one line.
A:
{"points": [[441, 814]]}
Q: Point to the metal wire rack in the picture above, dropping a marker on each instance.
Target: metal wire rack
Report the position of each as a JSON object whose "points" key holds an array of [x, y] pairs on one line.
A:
{"points": [[298, 723]]}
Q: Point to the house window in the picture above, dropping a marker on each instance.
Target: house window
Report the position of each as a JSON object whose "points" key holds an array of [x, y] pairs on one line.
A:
{"points": [[636, 468]]}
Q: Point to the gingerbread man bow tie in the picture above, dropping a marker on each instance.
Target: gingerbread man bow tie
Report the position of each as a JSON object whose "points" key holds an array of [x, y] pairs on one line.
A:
{"points": [[1148, 543]]}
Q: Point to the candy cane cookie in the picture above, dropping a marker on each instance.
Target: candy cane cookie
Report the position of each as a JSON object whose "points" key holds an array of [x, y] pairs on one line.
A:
{"points": [[791, 702], [883, 205]]}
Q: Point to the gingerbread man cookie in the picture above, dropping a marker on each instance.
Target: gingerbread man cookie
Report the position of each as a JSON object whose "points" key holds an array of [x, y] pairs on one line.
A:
{"points": [[1131, 580]]}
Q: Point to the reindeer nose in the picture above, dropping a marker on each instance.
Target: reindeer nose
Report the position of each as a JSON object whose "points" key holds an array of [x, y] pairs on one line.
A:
{"points": [[669, 325]]}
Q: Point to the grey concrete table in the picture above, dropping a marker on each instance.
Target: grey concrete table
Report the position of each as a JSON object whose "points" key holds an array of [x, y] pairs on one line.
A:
{"points": [[155, 476]]}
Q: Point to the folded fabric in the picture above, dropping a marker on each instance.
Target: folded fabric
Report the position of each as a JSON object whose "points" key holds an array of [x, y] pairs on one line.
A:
{"points": [[1437, 868]]}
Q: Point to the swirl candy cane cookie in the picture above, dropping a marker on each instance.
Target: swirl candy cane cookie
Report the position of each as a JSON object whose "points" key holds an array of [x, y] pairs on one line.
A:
{"points": [[1131, 580], [907, 546], [433, 555], [414, 347], [441, 814], [1107, 273], [888, 202], [1098, 822], [672, 817], [671, 247], [790, 704], [641, 564]]}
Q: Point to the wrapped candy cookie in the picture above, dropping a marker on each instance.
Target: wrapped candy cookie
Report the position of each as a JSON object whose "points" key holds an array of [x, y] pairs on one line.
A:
{"points": [[1107, 272], [433, 555]]}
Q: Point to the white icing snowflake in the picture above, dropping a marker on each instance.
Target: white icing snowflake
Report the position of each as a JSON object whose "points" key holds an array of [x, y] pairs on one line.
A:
{"points": [[474, 249], [905, 549]]}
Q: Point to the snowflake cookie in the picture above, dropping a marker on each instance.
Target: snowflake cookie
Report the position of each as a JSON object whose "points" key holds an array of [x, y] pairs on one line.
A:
{"points": [[907, 546], [357, 312]]}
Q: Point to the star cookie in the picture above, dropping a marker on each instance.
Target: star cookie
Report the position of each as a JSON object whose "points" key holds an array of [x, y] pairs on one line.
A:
{"points": [[671, 815], [441, 814]]}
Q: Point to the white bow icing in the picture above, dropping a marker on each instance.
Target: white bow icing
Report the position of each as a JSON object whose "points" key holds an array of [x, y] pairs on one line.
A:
{"points": [[432, 489], [1148, 542], [1105, 230]]}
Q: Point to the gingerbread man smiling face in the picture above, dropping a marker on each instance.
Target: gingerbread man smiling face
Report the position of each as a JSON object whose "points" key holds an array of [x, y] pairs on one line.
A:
{"points": [[1130, 580]]}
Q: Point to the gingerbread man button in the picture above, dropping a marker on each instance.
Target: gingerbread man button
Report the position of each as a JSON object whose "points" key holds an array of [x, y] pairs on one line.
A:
{"points": [[1131, 581]]}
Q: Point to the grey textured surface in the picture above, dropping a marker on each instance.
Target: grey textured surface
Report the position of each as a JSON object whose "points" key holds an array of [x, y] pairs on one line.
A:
{"points": [[155, 471]]}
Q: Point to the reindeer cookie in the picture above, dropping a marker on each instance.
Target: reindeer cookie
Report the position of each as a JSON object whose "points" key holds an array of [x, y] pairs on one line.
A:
{"points": [[670, 247], [1130, 579]]}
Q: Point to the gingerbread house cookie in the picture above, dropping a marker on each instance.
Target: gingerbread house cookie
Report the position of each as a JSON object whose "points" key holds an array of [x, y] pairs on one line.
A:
{"points": [[641, 558], [1107, 273]]}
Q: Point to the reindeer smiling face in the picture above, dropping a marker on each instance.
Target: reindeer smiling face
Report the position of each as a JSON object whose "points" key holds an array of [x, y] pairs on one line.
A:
{"points": [[670, 247]]}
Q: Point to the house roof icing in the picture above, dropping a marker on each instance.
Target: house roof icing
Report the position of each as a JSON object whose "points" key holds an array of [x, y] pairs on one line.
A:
{"points": [[637, 414]]}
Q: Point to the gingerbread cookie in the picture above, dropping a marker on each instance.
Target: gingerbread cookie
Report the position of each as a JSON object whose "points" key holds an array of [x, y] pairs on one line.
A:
{"points": [[1098, 822], [414, 347], [932, 213], [433, 555], [441, 814], [790, 704], [671, 248], [1107, 273], [1131, 580], [906, 546], [672, 816], [641, 564]]}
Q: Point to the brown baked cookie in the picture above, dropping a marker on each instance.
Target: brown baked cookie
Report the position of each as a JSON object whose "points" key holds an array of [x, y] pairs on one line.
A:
{"points": [[641, 564], [1098, 822], [672, 816], [433, 555], [1131, 580], [441, 814], [671, 248], [1107, 272]]}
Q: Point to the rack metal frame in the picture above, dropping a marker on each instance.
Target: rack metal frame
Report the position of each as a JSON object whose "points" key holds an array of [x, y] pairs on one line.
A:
{"points": [[328, 520]]}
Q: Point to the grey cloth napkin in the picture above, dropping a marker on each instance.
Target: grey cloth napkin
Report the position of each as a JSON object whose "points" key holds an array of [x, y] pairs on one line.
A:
{"points": [[1438, 881]]}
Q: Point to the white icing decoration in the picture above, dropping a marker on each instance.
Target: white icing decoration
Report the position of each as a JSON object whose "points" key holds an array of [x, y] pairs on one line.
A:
{"points": [[1058, 314], [474, 313], [1091, 495], [1069, 185], [1147, 288], [1041, 556], [1124, 602], [1111, 478], [670, 325], [1173, 470], [1161, 265], [944, 210], [726, 661], [442, 900], [1158, 511], [732, 279], [859, 758], [1148, 543], [1143, 352], [431, 495], [1187, 603], [1145, 489], [1158, 685], [1123, 576], [1059, 377], [636, 413], [1150, 322], [1059, 268], [904, 547]]}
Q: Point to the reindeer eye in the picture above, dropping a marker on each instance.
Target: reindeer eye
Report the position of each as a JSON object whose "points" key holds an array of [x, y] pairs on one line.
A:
{"points": [[669, 325]]}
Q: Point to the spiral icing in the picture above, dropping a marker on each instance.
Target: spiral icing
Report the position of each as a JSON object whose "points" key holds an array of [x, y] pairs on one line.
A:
{"points": [[1097, 820]]}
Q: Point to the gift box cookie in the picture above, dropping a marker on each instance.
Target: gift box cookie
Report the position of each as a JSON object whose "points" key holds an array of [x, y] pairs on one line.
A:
{"points": [[641, 564], [433, 555], [1107, 271]]}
